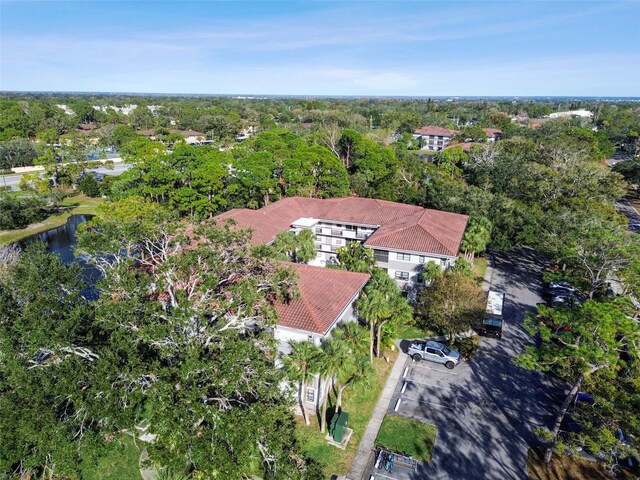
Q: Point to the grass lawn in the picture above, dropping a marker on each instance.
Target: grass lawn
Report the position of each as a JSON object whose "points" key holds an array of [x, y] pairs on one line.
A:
{"points": [[480, 268], [359, 404], [411, 332], [564, 467], [120, 463], [407, 436], [76, 205]]}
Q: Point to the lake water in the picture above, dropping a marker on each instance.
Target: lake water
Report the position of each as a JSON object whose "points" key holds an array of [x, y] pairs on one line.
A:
{"points": [[61, 241]]}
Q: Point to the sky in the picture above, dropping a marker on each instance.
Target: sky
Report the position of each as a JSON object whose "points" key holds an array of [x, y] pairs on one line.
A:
{"points": [[419, 48]]}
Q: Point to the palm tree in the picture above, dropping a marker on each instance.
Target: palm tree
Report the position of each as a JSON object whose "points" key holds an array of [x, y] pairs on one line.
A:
{"points": [[334, 359], [373, 307], [299, 365], [357, 371], [354, 336], [398, 310], [306, 247]]}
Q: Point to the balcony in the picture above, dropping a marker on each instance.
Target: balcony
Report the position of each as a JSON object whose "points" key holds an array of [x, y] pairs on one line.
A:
{"points": [[336, 233]]}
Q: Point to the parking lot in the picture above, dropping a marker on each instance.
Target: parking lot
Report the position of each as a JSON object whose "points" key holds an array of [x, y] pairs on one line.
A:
{"points": [[485, 409]]}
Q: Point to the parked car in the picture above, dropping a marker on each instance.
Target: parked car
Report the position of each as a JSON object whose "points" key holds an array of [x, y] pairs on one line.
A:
{"points": [[492, 322], [434, 352], [491, 327], [559, 294]]}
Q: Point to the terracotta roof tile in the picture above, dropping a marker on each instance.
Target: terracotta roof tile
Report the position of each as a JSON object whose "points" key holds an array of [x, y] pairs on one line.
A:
{"points": [[435, 130], [324, 294], [431, 231], [439, 233], [492, 132]]}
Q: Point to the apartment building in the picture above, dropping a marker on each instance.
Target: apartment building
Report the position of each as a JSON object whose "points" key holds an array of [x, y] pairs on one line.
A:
{"points": [[403, 237], [434, 138]]}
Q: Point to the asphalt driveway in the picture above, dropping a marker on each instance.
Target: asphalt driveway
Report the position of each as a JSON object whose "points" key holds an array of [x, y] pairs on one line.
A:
{"points": [[485, 409]]}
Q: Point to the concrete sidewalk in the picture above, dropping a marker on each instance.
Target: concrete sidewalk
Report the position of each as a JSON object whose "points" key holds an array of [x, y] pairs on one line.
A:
{"points": [[361, 460]]}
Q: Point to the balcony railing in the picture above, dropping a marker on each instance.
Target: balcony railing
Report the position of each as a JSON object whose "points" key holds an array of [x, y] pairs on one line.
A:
{"points": [[336, 233]]}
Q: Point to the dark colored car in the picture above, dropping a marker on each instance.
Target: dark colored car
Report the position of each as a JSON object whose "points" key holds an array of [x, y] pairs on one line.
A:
{"points": [[491, 327]]}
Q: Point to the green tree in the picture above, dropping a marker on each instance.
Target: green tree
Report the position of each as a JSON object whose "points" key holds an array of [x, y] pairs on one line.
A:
{"points": [[50, 409], [452, 303], [17, 153], [356, 258], [333, 361], [476, 237], [89, 185], [296, 247], [381, 303], [299, 365], [590, 340]]}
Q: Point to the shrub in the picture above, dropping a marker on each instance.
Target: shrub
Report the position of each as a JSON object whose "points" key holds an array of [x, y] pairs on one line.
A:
{"points": [[18, 212], [89, 185]]}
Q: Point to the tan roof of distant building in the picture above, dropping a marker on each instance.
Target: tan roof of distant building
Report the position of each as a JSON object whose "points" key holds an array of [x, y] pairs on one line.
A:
{"points": [[436, 232], [324, 295]]}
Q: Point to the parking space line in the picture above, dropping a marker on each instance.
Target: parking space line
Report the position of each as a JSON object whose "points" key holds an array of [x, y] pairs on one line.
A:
{"points": [[416, 364], [376, 475], [404, 397], [427, 384]]}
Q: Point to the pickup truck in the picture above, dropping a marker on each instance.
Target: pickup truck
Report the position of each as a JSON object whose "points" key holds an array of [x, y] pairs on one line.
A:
{"points": [[434, 352]]}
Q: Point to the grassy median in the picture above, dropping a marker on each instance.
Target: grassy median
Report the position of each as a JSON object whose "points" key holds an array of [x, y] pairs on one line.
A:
{"points": [[409, 437]]}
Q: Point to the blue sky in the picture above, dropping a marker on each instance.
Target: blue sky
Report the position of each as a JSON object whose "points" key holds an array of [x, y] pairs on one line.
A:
{"points": [[322, 48]]}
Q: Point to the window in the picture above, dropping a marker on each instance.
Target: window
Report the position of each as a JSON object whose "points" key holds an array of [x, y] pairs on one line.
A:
{"points": [[311, 395], [422, 259], [432, 351], [381, 255], [403, 256], [402, 275]]}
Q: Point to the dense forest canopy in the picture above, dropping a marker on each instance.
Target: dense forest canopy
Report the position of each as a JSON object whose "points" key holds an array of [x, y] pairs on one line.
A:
{"points": [[141, 354]]}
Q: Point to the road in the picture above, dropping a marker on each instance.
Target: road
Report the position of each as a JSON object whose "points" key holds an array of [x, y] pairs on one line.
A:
{"points": [[13, 180], [485, 409], [624, 207]]}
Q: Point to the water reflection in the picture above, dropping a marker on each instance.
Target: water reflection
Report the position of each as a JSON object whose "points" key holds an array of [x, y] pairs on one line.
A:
{"points": [[61, 240]]}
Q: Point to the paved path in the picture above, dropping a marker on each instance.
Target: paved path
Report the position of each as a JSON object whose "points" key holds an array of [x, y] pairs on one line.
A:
{"points": [[365, 450], [632, 214]]}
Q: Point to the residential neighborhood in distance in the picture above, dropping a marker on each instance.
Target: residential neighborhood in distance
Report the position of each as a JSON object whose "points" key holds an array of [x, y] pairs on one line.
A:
{"points": [[356, 240]]}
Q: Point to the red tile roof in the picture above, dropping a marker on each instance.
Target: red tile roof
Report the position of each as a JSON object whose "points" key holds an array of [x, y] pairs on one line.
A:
{"points": [[439, 232], [492, 132], [324, 294], [430, 231], [435, 130], [466, 146]]}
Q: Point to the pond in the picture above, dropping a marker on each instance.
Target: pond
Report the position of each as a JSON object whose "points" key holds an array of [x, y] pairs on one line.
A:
{"points": [[61, 240]]}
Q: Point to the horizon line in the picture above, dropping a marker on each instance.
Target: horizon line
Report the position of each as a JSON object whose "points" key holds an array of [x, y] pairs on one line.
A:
{"points": [[257, 96]]}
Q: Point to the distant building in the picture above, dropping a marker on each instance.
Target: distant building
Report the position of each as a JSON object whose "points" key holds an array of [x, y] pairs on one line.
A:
{"points": [[86, 127], [572, 113], [493, 134], [191, 137], [434, 138]]}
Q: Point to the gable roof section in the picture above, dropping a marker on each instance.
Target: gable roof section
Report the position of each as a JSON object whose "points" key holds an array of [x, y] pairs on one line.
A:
{"points": [[430, 231], [324, 295], [435, 130], [266, 222], [436, 232]]}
